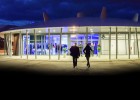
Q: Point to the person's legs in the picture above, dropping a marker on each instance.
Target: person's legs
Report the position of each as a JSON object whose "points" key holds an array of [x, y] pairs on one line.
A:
{"points": [[73, 62], [87, 60], [88, 64]]}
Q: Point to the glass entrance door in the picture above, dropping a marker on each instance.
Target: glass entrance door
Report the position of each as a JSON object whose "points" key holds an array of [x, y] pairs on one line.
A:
{"points": [[80, 40], [93, 40], [55, 44]]}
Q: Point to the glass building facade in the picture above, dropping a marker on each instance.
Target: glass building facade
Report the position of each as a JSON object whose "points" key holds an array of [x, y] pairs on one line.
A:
{"points": [[115, 42]]}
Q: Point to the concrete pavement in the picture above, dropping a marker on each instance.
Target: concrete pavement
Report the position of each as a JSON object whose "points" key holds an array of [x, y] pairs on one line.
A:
{"points": [[66, 68]]}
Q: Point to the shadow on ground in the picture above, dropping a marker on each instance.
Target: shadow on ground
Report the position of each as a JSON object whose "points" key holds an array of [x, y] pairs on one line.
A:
{"points": [[25, 74]]}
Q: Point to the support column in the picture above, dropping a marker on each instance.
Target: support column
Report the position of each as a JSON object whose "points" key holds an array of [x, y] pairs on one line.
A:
{"points": [[84, 40], [27, 43], [99, 38], [11, 45], [20, 45], [49, 44], [60, 44], [125, 45], [35, 44], [77, 38], [19, 49], [137, 42], [4, 44], [134, 35], [44, 44], [69, 41], [129, 42], [5, 39], [86, 35], [100, 42], [116, 43], [109, 43], [8, 44]]}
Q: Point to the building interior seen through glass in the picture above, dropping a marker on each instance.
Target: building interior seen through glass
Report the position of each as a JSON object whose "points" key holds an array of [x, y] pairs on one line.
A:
{"points": [[42, 42], [68, 40]]}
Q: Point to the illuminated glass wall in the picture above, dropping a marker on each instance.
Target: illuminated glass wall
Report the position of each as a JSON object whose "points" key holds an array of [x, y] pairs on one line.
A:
{"points": [[93, 38]]}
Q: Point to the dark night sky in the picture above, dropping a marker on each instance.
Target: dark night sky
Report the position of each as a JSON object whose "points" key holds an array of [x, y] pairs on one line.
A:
{"points": [[20, 12]]}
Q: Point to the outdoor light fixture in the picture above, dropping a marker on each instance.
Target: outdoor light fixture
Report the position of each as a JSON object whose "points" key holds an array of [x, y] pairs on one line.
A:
{"points": [[73, 36], [73, 30], [74, 27], [54, 31], [91, 30], [39, 31]]}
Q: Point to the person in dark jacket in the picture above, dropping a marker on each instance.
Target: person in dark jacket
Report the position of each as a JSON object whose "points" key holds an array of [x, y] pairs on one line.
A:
{"points": [[87, 50], [75, 53]]}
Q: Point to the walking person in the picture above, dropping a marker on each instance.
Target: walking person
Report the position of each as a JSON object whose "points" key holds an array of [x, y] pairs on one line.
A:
{"points": [[75, 53], [87, 50]]}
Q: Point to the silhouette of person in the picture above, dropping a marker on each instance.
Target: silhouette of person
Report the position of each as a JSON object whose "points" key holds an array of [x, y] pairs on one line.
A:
{"points": [[75, 53], [87, 50]]}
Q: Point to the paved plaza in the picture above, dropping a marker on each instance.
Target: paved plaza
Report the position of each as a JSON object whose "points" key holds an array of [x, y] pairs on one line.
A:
{"points": [[65, 67]]}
